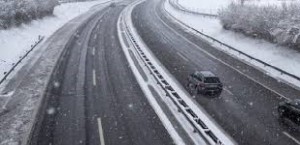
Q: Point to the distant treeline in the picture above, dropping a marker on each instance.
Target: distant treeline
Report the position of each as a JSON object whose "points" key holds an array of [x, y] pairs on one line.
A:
{"points": [[16, 12], [279, 24], [68, 1]]}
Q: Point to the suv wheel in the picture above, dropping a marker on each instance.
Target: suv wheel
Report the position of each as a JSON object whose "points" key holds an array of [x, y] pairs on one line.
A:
{"points": [[280, 112]]}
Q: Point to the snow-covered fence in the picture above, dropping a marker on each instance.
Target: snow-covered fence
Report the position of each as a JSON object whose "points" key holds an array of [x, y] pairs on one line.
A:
{"points": [[282, 72], [176, 5], [196, 122], [14, 65]]}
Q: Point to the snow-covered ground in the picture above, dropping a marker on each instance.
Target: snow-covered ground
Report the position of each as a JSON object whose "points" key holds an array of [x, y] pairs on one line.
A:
{"points": [[204, 6], [279, 56], [16, 41], [212, 6]]}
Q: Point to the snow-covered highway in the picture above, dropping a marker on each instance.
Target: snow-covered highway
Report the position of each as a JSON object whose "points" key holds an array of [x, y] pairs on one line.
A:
{"points": [[117, 75]]}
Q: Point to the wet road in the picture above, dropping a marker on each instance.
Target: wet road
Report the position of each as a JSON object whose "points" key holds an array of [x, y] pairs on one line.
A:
{"points": [[94, 97], [247, 108]]}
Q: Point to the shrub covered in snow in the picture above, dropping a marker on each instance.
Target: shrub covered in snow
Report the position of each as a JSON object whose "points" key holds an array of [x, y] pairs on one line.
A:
{"points": [[279, 24], [15, 12]]}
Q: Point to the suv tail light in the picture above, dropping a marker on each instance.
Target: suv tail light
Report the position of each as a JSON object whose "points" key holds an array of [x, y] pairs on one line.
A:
{"points": [[201, 85]]}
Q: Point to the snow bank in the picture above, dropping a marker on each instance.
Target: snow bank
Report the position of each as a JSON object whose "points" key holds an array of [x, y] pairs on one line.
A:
{"points": [[279, 56], [16, 41], [204, 6]]}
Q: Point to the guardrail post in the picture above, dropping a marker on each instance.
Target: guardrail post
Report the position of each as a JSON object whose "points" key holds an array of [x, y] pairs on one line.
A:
{"points": [[179, 110]]}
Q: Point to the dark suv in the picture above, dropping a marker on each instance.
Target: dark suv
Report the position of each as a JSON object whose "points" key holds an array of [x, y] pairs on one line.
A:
{"points": [[205, 82], [290, 110]]}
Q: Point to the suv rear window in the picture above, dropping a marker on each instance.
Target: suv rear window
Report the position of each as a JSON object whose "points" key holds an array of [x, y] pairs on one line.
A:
{"points": [[211, 80], [198, 77]]}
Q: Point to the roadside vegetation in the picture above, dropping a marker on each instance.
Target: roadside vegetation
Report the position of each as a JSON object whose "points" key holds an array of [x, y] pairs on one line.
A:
{"points": [[16, 12], [276, 23]]}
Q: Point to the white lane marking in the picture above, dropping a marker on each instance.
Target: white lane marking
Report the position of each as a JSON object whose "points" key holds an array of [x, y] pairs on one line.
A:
{"points": [[183, 57], [101, 135], [282, 96], [228, 91], [291, 137], [93, 52], [95, 37], [94, 78]]}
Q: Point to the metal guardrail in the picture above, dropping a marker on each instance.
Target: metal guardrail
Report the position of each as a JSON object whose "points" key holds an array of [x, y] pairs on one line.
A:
{"points": [[197, 123], [6, 74], [283, 72], [181, 8]]}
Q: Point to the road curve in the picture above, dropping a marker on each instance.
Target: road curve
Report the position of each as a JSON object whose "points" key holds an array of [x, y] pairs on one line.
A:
{"points": [[247, 107], [94, 98]]}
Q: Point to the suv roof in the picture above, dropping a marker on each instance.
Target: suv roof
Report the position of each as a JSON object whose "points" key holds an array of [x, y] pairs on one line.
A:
{"points": [[206, 73]]}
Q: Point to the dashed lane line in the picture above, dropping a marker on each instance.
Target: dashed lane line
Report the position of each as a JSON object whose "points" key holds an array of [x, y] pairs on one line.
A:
{"points": [[94, 78], [93, 51], [291, 137], [183, 57], [101, 135]]}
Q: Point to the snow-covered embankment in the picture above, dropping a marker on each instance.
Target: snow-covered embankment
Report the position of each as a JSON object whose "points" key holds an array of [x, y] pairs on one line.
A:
{"points": [[16, 41], [279, 56]]}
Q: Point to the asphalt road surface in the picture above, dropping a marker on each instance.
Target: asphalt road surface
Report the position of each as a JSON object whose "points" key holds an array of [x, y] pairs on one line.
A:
{"points": [[94, 98], [247, 108]]}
